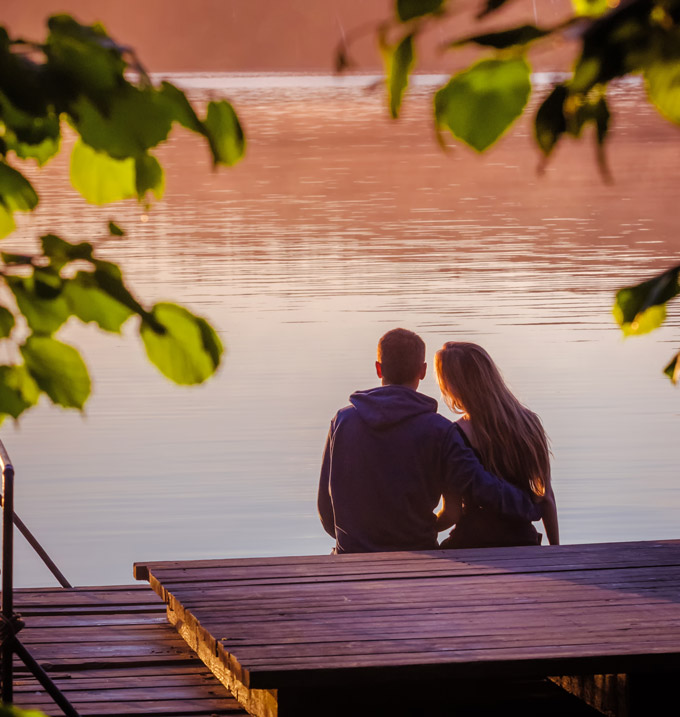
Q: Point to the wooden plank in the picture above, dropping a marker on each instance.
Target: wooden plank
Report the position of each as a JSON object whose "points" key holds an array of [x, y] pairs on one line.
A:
{"points": [[86, 683], [632, 553], [607, 577], [180, 708], [531, 593], [118, 664], [584, 549], [450, 602], [68, 598], [72, 619], [179, 670], [344, 573]]}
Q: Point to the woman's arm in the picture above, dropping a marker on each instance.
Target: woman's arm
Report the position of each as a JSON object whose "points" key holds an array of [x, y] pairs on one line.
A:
{"points": [[550, 522], [452, 508]]}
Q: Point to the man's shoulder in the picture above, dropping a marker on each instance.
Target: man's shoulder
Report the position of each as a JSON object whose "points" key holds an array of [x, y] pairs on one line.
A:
{"points": [[343, 414], [345, 411], [438, 422]]}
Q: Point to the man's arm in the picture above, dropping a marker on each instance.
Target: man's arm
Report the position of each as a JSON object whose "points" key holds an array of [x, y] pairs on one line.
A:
{"points": [[464, 474], [450, 513], [324, 500]]}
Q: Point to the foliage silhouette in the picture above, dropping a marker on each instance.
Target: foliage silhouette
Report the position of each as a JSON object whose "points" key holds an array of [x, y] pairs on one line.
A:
{"points": [[79, 76], [478, 105]]}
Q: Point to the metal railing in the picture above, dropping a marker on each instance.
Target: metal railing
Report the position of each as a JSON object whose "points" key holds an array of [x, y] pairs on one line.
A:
{"points": [[11, 622]]}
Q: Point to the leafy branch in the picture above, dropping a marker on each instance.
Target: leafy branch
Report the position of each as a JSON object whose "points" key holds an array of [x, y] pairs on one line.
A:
{"points": [[82, 77], [479, 104]]}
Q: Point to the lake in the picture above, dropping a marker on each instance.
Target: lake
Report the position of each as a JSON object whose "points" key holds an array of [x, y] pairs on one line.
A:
{"points": [[339, 225]]}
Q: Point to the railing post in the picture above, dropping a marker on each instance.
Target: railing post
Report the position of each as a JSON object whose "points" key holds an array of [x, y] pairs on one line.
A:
{"points": [[7, 574], [11, 644]]}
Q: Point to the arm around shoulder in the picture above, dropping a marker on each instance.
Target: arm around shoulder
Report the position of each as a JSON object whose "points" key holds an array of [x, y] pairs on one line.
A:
{"points": [[450, 513], [464, 474]]}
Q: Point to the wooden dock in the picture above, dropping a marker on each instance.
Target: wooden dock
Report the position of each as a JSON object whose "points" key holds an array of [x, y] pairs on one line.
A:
{"points": [[112, 652], [451, 626]]}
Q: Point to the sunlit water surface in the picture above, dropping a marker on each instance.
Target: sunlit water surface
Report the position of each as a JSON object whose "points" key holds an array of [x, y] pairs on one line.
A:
{"points": [[338, 226]]}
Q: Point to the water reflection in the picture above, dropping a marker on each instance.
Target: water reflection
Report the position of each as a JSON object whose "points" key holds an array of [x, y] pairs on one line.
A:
{"points": [[338, 226]]}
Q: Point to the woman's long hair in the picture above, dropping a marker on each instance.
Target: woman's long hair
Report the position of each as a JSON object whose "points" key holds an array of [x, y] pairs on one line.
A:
{"points": [[508, 436]]}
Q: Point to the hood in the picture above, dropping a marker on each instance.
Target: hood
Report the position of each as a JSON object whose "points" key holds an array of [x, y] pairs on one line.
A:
{"points": [[384, 406]]}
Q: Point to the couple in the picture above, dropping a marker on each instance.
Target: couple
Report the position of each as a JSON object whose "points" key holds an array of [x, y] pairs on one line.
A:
{"points": [[390, 458]]}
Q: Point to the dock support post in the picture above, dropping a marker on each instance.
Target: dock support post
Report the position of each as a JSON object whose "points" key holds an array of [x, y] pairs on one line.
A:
{"points": [[7, 576]]}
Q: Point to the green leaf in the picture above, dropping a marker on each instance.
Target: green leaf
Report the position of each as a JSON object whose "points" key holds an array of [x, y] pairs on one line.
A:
{"points": [[109, 279], [61, 251], [23, 84], [16, 259], [180, 108], [410, 9], [7, 225], [601, 116], [188, 351], [100, 178], [16, 195], [58, 370], [581, 110], [562, 112], [641, 308], [398, 64], [40, 300], [550, 123], [149, 176], [10, 711], [132, 121], [18, 390], [115, 230], [211, 341], [626, 40], [16, 192], [6, 322], [479, 104], [644, 321], [29, 136], [506, 38], [224, 133], [663, 87], [41, 151], [84, 55], [673, 369], [90, 304], [590, 8]]}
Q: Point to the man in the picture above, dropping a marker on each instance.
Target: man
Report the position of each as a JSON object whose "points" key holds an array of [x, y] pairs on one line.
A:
{"points": [[390, 456]]}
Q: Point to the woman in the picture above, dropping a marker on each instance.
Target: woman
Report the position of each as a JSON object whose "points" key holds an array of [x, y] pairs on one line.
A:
{"points": [[508, 439]]}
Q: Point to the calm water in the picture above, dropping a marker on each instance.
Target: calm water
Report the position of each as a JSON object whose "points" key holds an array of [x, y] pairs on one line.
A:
{"points": [[339, 226]]}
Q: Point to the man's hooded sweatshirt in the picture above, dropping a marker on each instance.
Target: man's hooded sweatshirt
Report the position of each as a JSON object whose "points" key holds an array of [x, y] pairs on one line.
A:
{"points": [[389, 458]]}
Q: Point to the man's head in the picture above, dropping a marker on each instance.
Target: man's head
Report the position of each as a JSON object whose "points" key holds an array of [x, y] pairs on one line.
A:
{"points": [[401, 358]]}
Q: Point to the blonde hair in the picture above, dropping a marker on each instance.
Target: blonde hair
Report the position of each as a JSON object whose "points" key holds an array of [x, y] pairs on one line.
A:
{"points": [[509, 438]]}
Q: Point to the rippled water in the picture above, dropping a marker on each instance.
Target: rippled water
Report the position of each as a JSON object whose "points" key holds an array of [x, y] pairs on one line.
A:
{"points": [[339, 226]]}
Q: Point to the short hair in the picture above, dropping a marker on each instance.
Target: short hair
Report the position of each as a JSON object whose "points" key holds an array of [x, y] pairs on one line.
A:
{"points": [[401, 354]]}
